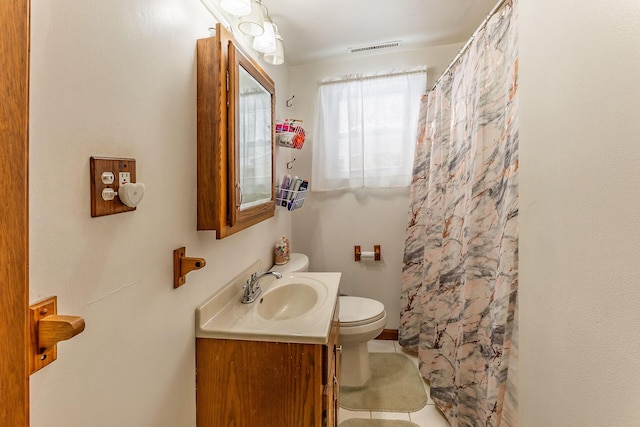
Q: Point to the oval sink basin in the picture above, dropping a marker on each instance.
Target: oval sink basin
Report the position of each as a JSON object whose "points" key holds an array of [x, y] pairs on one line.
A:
{"points": [[287, 301]]}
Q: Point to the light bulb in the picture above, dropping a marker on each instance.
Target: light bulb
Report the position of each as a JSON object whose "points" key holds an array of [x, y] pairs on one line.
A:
{"points": [[253, 23], [277, 56], [266, 42]]}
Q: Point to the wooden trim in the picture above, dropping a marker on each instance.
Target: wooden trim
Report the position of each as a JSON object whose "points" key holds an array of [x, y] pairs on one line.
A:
{"points": [[241, 219], [14, 213], [212, 127], [388, 334], [233, 133]]}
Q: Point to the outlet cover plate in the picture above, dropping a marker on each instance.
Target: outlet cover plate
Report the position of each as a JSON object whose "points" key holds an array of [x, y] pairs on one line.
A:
{"points": [[99, 165]]}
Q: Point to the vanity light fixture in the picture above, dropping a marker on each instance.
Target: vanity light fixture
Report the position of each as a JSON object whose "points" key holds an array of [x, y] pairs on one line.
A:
{"points": [[236, 7], [266, 42], [253, 23], [276, 57]]}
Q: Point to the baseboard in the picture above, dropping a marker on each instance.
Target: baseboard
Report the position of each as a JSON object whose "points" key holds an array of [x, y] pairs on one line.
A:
{"points": [[388, 334]]}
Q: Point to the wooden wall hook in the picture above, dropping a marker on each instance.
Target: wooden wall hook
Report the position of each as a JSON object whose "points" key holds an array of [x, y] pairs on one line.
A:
{"points": [[183, 265], [53, 329], [47, 328]]}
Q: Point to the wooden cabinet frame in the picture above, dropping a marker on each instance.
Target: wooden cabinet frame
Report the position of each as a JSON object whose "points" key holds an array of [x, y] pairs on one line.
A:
{"points": [[217, 66]]}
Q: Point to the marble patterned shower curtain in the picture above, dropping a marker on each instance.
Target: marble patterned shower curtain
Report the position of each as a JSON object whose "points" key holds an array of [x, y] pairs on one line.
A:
{"points": [[460, 273]]}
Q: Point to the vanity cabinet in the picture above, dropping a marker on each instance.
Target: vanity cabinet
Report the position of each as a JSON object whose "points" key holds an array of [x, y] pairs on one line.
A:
{"points": [[331, 395], [271, 384], [235, 108]]}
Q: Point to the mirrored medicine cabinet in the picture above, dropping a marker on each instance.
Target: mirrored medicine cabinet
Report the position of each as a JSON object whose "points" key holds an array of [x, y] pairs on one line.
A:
{"points": [[236, 102]]}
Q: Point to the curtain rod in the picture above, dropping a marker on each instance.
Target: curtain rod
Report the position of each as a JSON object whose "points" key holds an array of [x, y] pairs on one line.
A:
{"points": [[462, 51], [358, 77]]}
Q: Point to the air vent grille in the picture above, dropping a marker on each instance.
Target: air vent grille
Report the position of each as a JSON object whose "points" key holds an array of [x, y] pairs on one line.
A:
{"points": [[385, 45]]}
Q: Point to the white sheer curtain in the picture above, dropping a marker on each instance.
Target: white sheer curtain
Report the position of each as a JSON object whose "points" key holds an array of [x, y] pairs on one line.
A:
{"points": [[366, 129]]}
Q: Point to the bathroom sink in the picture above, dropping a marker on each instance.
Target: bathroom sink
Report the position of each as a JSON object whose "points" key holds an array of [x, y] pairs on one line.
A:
{"points": [[287, 301], [297, 308]]}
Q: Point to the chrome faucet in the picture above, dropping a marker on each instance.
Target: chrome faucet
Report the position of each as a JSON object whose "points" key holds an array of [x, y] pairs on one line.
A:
{"points": [[251, 288]]}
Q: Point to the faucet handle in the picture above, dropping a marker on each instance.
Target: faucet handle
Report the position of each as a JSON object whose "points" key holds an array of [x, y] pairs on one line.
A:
{"points": [[248, 285]]}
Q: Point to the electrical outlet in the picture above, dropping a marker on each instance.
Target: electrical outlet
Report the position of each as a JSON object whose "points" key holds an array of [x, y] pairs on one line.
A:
{"points": [[102, 170], [125, 178], [107, 178]]}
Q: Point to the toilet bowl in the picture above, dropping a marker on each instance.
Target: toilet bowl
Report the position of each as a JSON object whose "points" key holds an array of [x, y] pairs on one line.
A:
{"points": [[361, 320]]}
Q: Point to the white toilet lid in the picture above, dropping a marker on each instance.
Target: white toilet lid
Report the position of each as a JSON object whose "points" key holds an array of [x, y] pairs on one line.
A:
{"points": [[356, 310]]}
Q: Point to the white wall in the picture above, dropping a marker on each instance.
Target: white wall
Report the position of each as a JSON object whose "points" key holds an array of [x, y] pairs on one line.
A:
{"points": [[117, 78], [329, 225], [580, 205]]}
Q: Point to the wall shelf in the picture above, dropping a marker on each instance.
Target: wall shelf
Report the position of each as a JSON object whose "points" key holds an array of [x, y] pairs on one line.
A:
{"points": [[290, 199], [290, 134]]}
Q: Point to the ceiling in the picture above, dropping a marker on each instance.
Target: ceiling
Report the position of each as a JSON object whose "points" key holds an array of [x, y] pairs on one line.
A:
{"points": [[315, 31]]}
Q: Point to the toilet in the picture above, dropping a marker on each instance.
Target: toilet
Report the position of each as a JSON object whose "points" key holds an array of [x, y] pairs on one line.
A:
{"points": [[361, 320]]}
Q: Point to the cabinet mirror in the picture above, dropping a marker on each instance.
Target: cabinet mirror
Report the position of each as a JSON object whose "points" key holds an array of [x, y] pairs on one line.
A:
{"points": [[236, 100], [250, 134]]}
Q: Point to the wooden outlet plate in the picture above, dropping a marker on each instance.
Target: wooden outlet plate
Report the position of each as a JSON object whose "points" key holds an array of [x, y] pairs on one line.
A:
{"points": [[39, 359], [98, 165]]}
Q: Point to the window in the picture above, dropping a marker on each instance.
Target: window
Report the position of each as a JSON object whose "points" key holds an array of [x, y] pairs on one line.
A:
{"points": [[366, 130]]}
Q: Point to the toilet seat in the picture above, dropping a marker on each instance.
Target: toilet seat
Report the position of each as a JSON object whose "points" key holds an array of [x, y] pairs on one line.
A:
{"points": [[358, 311]]}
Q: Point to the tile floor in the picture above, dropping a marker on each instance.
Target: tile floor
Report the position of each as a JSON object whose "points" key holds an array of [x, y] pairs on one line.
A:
{"points": [[429, 416]]}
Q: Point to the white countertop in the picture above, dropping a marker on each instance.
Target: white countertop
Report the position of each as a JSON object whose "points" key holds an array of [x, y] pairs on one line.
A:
{"points": [[224, 316]]}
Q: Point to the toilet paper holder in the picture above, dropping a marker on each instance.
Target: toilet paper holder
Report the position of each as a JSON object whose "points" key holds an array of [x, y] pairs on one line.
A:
{"points": [[359, 255]]}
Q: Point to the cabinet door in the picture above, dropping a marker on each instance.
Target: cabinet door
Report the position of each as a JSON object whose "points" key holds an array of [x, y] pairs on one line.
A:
{"points": [[258, 384], [250, 141], [330, 398]]}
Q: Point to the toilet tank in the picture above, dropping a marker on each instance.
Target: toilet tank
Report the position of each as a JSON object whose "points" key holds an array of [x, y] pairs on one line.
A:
{"points": [[297, 263]]}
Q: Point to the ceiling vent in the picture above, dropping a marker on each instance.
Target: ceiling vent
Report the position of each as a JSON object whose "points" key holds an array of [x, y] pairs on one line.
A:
{"points": [[375, 47]]}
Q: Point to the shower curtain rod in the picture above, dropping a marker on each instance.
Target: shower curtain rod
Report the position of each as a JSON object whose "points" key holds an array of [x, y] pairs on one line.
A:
{"points": [[361, 77], [495, 9]]}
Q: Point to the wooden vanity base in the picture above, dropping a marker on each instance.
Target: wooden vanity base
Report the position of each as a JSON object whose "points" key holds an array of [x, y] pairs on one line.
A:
{"points": [[252, 383]]}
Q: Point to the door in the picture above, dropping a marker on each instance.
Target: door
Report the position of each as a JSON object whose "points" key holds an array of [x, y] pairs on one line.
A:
{"points": [[14, 214]]}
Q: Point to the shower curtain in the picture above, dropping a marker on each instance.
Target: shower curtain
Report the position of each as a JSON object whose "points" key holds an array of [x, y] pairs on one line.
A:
{"points": [[460, 271]]}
